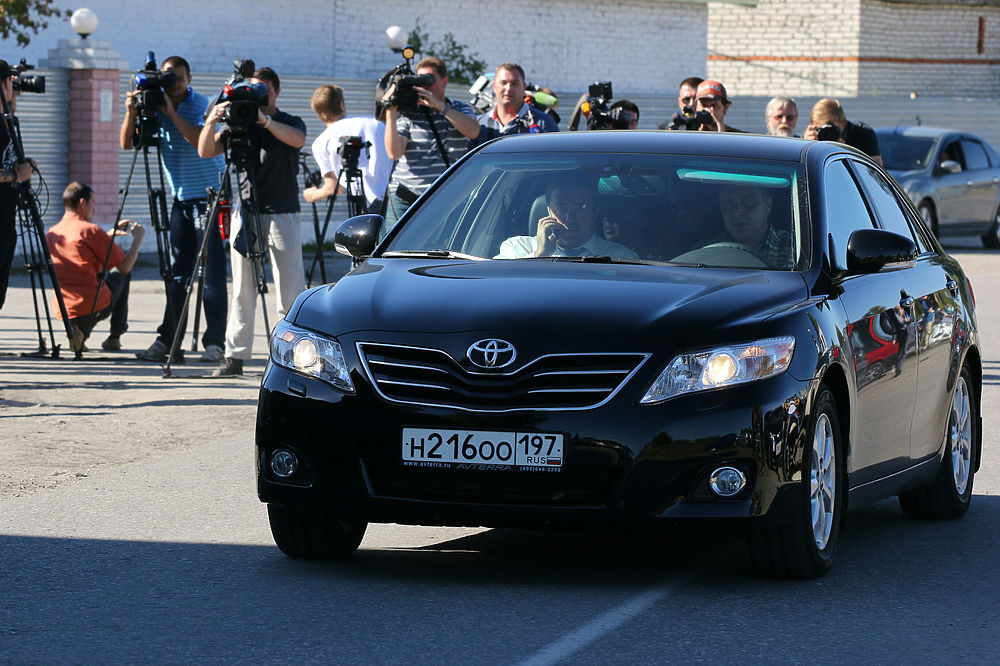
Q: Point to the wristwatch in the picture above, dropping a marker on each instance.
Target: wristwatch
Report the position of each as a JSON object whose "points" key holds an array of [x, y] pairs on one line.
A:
{"points": [[267, 121]]}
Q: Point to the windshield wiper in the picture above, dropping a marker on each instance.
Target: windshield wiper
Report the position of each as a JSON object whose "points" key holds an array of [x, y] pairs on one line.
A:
{"points": [[599, 259], [431, 254]]}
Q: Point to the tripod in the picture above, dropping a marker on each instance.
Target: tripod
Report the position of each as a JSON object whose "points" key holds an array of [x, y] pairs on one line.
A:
{"points": [[315, 179], [146, 138], [37, 259], [357, 202], [248, 242]]}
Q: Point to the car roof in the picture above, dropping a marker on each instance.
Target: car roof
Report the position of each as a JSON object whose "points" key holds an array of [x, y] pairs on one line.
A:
{"points": [[919, 131], [679, 142]]}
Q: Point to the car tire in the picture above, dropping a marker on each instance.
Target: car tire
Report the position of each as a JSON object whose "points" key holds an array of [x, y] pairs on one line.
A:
{"points": [[949, 495], [313, 535], [805, 547], [991, 238], [927, 212]]}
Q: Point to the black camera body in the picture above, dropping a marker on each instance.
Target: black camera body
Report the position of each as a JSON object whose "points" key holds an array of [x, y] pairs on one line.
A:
{"points": [[828, 132], [149, 85], [245, 100], [350, 150], [27, 84], [598, 112], [688, 119], [405, 97]]}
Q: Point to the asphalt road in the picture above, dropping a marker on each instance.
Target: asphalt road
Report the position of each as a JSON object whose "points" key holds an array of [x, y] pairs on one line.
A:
{"points": [[172, 561]]}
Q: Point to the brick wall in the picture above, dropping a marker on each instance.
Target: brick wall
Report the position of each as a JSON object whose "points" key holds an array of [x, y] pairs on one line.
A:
{"points": [[638, 44], [855, 48], [91, 133]]}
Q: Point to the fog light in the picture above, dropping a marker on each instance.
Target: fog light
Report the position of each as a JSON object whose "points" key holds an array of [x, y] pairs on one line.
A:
{"points": [[727, 481], [284, 463]]}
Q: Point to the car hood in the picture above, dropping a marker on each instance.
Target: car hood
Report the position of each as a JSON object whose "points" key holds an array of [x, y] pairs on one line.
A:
{"points": [[548, 298]]}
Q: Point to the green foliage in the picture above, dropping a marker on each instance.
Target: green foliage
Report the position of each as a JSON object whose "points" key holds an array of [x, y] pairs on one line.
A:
{"points": [[462, 67], [19, 17]]}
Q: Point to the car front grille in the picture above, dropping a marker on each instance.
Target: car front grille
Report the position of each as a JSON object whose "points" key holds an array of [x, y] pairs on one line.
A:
{"points": [[569, 487], [423, 376]]}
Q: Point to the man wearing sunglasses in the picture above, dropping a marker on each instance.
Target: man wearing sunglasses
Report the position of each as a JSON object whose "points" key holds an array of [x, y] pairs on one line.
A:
{"points": [[686, 96]]}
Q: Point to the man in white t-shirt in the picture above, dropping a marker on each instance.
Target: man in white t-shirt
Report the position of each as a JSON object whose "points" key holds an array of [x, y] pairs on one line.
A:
{"points": [[374, 163], [570, 227]]}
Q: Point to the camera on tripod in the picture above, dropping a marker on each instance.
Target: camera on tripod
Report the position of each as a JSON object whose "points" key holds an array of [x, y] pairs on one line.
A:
{"points": [[27, 84], [688, 119], [149, 85], [245, 100], [350, 150], [404, 97]]}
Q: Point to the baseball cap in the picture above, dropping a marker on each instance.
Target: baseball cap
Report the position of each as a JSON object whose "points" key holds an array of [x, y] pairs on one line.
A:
{"points": [[710, 88]]}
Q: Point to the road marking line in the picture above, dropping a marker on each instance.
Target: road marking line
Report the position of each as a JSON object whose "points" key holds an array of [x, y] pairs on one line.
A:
{"points": [[603, 624]]}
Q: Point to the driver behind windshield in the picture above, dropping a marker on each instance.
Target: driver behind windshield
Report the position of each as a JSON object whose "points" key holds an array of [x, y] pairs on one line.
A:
{"points": [[745, 212], [569, 229]]}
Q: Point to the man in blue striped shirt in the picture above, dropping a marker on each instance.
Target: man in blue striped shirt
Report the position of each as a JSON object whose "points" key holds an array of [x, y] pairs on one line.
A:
{"points": [[180, 120]]}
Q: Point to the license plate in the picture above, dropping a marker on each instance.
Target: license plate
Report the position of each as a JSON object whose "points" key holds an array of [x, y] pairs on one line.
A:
{"points": [[482, 449]]}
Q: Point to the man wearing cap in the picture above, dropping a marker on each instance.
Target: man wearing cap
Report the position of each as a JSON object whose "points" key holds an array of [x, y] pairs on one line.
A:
{"points": [[712, 97]]}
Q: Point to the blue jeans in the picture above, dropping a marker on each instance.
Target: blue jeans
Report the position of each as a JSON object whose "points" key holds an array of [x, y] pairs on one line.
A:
{"points": [[185, 242], [118, 285], [393, 211]]}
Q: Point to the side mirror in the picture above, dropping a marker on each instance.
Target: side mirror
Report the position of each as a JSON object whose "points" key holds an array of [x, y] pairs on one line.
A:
{"points": [[870, 250], [951, 166], [357, 236]]}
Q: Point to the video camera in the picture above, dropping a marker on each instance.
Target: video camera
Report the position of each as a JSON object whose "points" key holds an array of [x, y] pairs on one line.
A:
{"points": [[687, 119], [149, 84], [404, 97], [27, 84], [350, 150], [596, 107]]}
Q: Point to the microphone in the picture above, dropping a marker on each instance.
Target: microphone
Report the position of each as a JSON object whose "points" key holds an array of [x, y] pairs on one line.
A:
{"points": [[546, 99]]}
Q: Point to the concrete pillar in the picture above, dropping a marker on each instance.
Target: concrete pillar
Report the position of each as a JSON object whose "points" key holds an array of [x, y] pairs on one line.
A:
{"points": [[94, 117]]}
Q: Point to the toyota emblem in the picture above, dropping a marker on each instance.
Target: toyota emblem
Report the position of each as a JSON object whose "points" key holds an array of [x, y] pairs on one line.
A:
{"points": [[491, 353]]}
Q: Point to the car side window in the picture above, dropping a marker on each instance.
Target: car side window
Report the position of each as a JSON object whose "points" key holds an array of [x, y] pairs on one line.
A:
{"points": [[975, 156], [884, 202], [953, 153], [846, 211]]}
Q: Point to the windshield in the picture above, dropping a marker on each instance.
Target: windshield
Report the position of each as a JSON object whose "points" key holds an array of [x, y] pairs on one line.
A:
{"points": [[689, 210], [905, 153]]}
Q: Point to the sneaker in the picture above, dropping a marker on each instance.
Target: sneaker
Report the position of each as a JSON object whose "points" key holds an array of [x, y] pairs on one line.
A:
{"points": [[229, 367], [76, 342], [112, 343], [212, 354], [157, 353]]}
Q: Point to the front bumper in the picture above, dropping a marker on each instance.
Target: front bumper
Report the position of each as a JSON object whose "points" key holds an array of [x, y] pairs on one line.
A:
{"points": [[623, 462]]}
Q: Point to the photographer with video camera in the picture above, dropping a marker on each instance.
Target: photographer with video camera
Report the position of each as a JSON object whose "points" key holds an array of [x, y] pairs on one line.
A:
{"points": [[712, 98], [179, 111], [425, 131], [11, 171], [686, 97], [600, 114], [512, 114], [828, 122], [328, 103], [269, 151]]}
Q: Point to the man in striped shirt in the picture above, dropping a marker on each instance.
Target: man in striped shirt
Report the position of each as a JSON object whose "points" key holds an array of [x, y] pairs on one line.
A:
{"points": [[410, 138], [180, 121]]}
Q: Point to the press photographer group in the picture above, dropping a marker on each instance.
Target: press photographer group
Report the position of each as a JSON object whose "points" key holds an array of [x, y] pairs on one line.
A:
{"points": [[227, 170]]}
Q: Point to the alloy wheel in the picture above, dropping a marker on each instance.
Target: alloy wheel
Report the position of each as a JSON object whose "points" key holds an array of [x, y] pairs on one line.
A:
{"points": [[822, 481], [960, 434]]}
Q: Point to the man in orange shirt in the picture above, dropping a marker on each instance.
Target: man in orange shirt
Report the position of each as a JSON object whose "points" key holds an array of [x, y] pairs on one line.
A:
{"points": [[79, 249]]}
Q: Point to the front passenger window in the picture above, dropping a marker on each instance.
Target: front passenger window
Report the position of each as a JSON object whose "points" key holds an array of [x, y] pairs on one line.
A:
{"points": [[846, 211]]}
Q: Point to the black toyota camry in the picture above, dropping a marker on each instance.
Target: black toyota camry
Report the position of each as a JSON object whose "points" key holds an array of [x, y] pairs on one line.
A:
{"points": [[652, 329]]}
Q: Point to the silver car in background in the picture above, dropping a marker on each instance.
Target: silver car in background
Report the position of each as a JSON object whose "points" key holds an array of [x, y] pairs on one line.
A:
{"points": [[952, 177]]}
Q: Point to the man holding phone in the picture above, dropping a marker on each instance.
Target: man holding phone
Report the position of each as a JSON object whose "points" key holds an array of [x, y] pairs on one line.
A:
{"points": [[570, 227]]}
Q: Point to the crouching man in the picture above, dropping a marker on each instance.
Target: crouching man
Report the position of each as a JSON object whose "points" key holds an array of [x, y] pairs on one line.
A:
{"points": [[79, 249]]}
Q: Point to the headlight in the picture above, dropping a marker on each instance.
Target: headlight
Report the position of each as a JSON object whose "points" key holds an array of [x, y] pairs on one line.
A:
{"points": [[724, 366], [311, 354]]}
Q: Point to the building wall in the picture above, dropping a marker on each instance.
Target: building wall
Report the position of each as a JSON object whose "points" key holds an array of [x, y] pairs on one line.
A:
{"points": [[785, 47], [932, 50], [638, 44]]}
